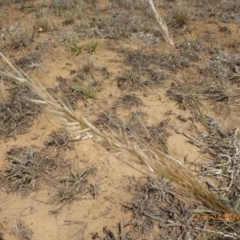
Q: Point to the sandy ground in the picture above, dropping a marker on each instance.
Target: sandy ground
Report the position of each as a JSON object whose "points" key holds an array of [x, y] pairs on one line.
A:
{"points": [[48, 55]]}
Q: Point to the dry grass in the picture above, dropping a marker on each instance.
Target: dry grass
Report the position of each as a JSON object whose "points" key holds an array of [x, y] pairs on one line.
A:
{"points": [[24, 170], [71, 186], [163, 26], [133, 68], [155, 160]]}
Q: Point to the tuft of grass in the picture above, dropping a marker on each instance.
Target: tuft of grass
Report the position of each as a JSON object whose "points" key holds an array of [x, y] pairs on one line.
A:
{"points": [[16, 112], [91, 47], [21, 174], [20, 230], [27, 7], [17, 38], [180, 15], [71, 187], [24, 169], [59, 10], [42, 24], [88, 67], [74, 47], [88, 91], [69, 19], [131, 80], [75, 8]]}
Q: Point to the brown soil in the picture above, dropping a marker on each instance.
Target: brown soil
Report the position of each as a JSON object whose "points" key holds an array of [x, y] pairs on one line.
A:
{"points": [[55, 188]]}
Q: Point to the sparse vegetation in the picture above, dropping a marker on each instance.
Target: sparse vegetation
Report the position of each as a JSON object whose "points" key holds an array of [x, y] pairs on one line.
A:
{"points": [[91, 47], [88, 67], [148, 96], [24, 170], [17, 37], [74, 46], [131, 80], [88, 91], [180, 15], [16, 112], [72, 186], [42, 24]]}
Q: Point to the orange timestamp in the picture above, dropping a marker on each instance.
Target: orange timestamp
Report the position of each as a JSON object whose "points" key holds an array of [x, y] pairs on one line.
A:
{"points": [[216, 217]]}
